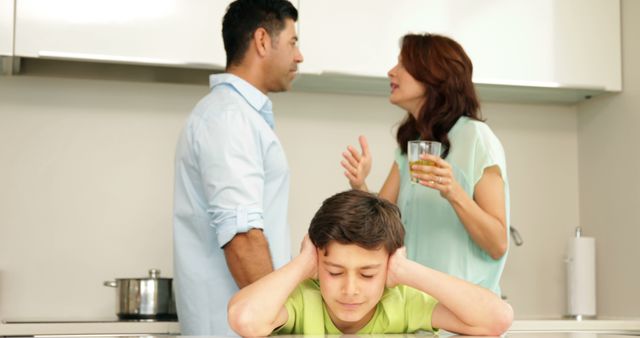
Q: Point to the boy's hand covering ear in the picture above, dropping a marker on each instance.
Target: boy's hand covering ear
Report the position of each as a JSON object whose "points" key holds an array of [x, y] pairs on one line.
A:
{"points": [[393, 267], [310, 254]]}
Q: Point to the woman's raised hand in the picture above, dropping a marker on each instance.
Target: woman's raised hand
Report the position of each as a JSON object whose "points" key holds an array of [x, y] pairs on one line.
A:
{"points": [[357, 165]]}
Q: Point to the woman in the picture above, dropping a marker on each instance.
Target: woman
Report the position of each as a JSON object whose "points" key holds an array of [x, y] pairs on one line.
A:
{"points": [[457, 215]]}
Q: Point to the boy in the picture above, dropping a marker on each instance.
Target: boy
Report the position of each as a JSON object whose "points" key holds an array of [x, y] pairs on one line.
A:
{"points": [[354, 249]]}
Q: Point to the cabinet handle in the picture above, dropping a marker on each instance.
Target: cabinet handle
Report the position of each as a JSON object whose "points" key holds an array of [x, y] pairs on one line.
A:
{"points": [[517, 239]]}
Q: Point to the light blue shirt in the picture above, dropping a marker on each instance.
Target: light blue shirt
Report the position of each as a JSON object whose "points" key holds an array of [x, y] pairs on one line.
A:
{"points": [[231, 175], [435, 236]]}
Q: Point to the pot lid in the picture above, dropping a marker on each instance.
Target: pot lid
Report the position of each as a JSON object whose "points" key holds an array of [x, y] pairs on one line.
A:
{"points": [[153, 274]]}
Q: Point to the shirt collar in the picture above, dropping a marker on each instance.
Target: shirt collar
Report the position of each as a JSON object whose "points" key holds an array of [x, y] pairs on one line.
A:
{"points": [[254, 97]]}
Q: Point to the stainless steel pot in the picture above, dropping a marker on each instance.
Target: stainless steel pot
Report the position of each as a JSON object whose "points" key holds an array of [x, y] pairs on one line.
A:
{"points": [[144, 298]]}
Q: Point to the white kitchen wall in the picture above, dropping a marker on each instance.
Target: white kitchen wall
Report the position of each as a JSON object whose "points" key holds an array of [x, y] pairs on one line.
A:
{"points": [[609, 189], [86, 170], [86, 190]]}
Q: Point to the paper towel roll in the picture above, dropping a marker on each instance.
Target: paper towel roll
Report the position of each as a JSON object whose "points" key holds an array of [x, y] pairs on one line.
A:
{"points": [[581, 276]]}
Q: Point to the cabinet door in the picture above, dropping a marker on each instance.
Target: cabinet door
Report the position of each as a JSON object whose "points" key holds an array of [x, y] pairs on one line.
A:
{"points": [[6, 27], [170, 32], [518, 42], [587, 43]]}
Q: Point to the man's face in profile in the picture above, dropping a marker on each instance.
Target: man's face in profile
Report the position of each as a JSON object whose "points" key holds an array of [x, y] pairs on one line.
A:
{"points": [[284, 57]]}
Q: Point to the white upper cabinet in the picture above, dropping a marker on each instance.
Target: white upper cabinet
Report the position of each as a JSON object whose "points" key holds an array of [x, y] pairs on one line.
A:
{"points": [[542, 43], [6, 27], [165, 32]]}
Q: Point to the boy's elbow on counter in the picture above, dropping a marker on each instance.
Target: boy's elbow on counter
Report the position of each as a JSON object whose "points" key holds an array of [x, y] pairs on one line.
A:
{"points": [[243, 322]]}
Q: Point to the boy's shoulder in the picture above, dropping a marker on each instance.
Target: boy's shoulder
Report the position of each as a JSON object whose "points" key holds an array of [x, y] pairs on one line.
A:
{"points": [[310, 285], [305, 309], [407, 309], [400, 294], [307, 294], [401, 298]]}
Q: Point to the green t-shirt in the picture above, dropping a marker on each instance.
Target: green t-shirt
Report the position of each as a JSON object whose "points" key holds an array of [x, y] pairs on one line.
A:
{"points": [[401, 310], [435, 236]]}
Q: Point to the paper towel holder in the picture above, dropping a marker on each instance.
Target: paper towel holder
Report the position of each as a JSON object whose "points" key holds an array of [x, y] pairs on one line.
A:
{"points": [[590, 313]]}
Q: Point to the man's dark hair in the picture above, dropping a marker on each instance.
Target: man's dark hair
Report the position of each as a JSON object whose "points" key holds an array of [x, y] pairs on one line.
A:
{"points": [[358, 217], [242, 19]]}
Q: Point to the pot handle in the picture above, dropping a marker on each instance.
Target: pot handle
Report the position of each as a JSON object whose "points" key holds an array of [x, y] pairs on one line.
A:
{"points": [[110, 283], [154, 273]]}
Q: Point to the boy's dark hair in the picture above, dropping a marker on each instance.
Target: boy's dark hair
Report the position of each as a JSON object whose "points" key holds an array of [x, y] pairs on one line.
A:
{"points": [[242, 19], [357, 217]]}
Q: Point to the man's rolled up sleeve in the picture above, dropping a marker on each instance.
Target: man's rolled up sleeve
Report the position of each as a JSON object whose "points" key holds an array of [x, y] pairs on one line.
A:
{"points": [[232, 173], [228, 223]]}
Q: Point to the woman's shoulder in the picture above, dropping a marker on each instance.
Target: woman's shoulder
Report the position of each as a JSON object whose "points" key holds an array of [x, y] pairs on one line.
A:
{"points": [[474, 135], [474, 130], [470, 127]]}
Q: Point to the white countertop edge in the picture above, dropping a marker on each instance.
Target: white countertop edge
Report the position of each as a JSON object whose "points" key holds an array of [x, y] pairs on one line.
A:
{"points": [[73, 328], [572, 325], [173, 328]]}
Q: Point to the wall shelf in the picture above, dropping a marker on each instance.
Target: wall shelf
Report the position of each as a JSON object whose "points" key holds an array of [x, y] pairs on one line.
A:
{"points": [[333, 83], [515, 93]]}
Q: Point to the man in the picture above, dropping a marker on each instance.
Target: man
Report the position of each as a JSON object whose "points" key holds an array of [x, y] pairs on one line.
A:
{"points": [[232, 178]]}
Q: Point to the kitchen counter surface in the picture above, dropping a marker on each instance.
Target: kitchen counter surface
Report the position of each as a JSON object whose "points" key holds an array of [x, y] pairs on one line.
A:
{"points": [[107, 327], [601, 324], [548, 328]]}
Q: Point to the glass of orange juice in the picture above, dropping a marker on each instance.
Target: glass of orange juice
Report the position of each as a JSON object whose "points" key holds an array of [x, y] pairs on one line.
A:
{"points": [[415, 151]]}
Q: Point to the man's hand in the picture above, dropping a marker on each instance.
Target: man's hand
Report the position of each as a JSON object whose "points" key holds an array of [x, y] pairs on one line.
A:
{"points": [[394, 267]]}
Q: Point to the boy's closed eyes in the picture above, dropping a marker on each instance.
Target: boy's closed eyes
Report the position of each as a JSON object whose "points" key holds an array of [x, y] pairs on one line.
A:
{"points": [[336, 270]]}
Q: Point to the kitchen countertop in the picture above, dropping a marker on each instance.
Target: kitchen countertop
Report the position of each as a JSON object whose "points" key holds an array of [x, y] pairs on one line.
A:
{"points": [[109, 327], [600, 324], [570, 334], [548, 328]]}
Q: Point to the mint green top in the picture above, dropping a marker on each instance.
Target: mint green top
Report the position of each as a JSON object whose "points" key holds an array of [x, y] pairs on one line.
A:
{"points": [[400, 310], [435, 236]]}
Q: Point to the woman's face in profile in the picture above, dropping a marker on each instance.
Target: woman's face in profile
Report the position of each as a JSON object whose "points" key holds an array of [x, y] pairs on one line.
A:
{"points": [[406, 91]]}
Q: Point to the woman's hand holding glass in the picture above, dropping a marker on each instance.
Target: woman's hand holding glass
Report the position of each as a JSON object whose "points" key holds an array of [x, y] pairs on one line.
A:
{"points": [[438, 176], [357, 165]]}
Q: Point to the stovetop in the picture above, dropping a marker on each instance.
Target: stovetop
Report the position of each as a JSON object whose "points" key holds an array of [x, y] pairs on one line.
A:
{"points": [[67, 320]]}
